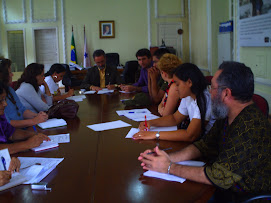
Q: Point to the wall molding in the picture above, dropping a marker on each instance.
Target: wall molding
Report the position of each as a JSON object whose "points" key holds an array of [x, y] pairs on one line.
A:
{"points": [[156, 14], [209, 33], [189, 27], [149, 22], [54, 19], [63, 31], [6, 21]]}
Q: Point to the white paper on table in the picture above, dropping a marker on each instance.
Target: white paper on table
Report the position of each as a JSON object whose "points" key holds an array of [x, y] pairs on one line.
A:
{"points": [[33, 173], [77, 98], [61, 138], [136, 130], [169, 177], [45, 145], [52, 123], [122, 100], [4, 159], [133, 111], [16, 179], [141, 116], [105, 91], [126, 92], [90, 92], [108, 125]]}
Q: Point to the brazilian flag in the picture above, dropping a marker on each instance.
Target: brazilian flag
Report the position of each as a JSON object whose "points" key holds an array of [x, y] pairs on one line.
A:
{"points": [[73, 51]]}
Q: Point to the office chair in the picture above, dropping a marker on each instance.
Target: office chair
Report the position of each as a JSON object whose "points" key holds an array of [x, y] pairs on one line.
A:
{"points": [[68, 79], [209, 79], [129, 72], [261, 103], [112, 59]]}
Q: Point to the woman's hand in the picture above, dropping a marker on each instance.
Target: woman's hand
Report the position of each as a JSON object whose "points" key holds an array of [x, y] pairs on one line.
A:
{"points": [[14, 165], [145, 135]]}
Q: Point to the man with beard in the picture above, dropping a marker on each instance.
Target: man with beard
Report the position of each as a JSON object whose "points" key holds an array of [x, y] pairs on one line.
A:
{"points": [[237, 147], [100, 76]]}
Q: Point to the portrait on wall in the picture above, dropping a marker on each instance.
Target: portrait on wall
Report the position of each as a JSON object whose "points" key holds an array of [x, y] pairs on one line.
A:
{"points": [[107, 29]]}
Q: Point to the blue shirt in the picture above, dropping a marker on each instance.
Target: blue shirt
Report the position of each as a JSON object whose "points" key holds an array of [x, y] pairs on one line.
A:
{"points": [[10, 111], [143, 80]]}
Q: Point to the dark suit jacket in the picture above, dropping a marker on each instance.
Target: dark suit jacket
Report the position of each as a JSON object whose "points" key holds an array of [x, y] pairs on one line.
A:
{"points": [[93, 77]]}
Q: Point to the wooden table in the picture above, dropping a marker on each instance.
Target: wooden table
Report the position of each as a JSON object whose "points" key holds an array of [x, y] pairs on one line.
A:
{"points": [[103, 166]]}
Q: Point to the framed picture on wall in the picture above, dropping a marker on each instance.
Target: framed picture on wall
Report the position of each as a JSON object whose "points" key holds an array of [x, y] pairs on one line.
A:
{"points": [[107, 29]]}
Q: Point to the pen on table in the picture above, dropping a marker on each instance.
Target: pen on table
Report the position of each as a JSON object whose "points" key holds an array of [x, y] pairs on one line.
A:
{"points": [[4, 163], [35, 129], [146, 123], [161, 150]]}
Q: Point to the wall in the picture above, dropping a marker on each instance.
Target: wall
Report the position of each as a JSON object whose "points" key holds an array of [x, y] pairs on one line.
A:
{"points": [[130, 24]]}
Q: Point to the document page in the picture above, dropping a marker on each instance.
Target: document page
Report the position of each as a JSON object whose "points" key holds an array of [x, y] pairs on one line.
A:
{"points": [[136, 130], [108, 125], [61, 138]]}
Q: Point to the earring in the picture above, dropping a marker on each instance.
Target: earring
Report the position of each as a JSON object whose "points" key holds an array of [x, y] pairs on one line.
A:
{"points": [[54, 76]]}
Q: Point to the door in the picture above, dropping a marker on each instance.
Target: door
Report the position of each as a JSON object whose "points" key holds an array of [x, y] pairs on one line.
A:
{"points": [[46, 47], [168, 32]]}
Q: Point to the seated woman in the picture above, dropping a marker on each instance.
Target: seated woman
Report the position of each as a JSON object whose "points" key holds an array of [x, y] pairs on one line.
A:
{"points": [[170, 102], [195, 104], [29, 91], [9, 134], [5, 176], [54, 75], [17, 115]]}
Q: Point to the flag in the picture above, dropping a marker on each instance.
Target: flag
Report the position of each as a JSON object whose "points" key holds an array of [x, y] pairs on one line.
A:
{"points": [[86, 56], [73, 51]]}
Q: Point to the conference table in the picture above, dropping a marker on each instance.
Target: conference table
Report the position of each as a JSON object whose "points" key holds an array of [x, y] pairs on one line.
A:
{"points": [[103, 166]]}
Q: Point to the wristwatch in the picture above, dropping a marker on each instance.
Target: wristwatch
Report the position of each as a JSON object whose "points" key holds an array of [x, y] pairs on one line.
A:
{"points": [[157, 135]]}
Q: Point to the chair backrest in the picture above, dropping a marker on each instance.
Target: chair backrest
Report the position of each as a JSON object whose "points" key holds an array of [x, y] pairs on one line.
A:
{"points": [[261, 103], [208, 79], [112, 59], [14, 84], [129, 71]]}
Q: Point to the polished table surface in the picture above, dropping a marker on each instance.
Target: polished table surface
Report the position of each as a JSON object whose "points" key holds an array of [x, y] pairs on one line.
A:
{"points": [[103, 166]]}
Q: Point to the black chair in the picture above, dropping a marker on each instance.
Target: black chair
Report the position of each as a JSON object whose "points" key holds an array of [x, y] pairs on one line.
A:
{"points": [[68, 79], [129, 72], [112, 59]]}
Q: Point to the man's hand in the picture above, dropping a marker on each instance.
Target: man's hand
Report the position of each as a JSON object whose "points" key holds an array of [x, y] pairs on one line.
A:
{"points": [[15, 164], [95, 88], [70, 92], [111, 87], [36, 140], [158, 161], [5, 176], [129, 88]]}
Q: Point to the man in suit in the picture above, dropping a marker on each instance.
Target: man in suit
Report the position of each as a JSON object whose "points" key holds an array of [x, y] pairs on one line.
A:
{"points": [[101, 75]]}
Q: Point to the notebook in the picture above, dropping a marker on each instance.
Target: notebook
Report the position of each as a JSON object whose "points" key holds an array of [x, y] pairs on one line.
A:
{"points": [[45, 145]]}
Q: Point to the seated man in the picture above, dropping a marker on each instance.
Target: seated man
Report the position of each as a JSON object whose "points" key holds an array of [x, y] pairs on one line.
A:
{"points": [[9, 134], [156, 85], [100, 76], [144, 59], [238, 145]]}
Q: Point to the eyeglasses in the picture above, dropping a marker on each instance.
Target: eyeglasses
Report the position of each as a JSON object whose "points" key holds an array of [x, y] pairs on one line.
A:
{"points": [[218, 87]]}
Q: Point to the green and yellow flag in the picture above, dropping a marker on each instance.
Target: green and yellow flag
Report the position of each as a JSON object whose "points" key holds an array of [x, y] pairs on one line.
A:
{"points": [[73, 51]]}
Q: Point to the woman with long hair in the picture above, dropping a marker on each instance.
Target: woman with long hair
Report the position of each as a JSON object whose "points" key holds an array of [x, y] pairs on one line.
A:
{"points": [[167, 65], [28, 89], [17, 115], [52, 77], [195, 104]]}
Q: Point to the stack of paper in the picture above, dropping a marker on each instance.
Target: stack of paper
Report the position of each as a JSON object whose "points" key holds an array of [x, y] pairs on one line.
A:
{"points": [[141, 116], [45, 145], [61, 138], [77, 98], [52, 123], [36, 168], [16, 179], [136, 130], [90, 92], [108, 125], [105, 91], [132, 111], [169, 177]]}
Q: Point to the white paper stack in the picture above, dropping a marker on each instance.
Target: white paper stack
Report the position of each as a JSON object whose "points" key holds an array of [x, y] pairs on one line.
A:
{"points": [[169, 177], [141, 116], [39, 168], [61, 138], [45, 145], [90, 92], [132, 111], [105, 91], [136, 130], [108, 125], [16, 179], [52, 123], [77, 98]]}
